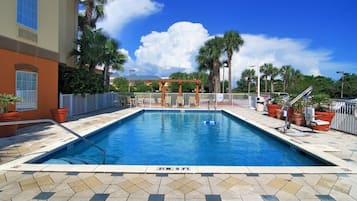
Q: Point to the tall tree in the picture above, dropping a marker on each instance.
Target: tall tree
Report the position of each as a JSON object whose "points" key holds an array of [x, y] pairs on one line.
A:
{"points": [[249, 75], [296, 75], [273, 71], [232, 43], [90, 48], [208, 58], [94, 11], [113, 59], [205, 65], [265, 70], [285, 73]]}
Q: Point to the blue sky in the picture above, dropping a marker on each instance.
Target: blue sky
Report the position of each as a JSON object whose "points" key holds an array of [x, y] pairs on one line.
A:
{"points": [[163, 36]]}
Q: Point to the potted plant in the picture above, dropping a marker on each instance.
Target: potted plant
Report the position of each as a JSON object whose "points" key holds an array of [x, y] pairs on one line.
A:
{"points": [[5, 115], [322, 103], [274, 104], [59, 114], [297, 114]]}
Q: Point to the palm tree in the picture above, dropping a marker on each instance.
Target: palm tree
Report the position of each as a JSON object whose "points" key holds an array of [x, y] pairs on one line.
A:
{"points": [[265, 70], [112, 58], [285, 72], [273, 73], [208, 58], [93, 11], [249, 75], [232, 42], [295, 76], [90, 48], [205, 64]]}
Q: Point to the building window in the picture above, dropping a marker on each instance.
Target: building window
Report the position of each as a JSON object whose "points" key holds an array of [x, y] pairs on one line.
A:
{"points": [[27, 13], [26, 89]]}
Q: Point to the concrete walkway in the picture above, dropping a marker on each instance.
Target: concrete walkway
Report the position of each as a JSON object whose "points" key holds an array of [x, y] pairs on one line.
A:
{"points": [[74, 184]]}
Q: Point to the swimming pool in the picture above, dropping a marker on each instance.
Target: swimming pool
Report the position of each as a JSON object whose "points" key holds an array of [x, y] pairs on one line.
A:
{"points": [[181, 137]]}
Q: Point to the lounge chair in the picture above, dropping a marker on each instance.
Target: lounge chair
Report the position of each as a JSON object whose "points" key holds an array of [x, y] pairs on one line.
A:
{"points": [[310, 118], [192, 101], [168, 101], [179, 101]]}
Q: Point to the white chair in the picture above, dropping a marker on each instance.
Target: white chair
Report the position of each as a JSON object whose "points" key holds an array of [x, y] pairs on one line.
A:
{"points": [[168, 101], [180, 101], [192, 101]]}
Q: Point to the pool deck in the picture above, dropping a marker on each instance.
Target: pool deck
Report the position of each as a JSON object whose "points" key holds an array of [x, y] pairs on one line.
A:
{"points": [[20, 181]]}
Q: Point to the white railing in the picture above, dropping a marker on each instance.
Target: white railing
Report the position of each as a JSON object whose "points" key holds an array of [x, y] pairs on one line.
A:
{"points": [[78, 104], [344, 119], [205, 100]]}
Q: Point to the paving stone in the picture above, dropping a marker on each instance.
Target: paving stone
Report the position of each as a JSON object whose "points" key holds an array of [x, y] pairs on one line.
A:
{"points": [[44, 196], [277, 183], [117, 174], [207, 174], [326, 182], [28, 184], [292, 188], [213, 198], [44, 180], [92, 182], [325, 198], [156, 197], [269, 198], [162, 175], [99, 197], [78, 186]]}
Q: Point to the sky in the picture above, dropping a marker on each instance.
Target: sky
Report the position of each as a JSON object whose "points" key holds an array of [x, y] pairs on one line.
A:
{"points": [[160, 37]]}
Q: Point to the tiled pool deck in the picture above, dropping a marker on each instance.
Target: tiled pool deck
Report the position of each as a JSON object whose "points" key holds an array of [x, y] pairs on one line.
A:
{"points": [[43, 182]]}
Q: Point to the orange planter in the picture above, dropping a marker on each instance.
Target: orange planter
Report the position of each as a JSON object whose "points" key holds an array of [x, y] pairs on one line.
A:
{"points": [[7, 131], [59, 115], [325, 116], [298, 119], [272, 109]]}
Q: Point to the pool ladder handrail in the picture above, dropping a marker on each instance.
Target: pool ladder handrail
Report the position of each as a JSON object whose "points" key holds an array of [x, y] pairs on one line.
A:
{"points": [[61, 126]]}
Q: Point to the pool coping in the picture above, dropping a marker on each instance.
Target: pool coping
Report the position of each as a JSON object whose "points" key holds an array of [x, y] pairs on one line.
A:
{"points": [[341, 165]]}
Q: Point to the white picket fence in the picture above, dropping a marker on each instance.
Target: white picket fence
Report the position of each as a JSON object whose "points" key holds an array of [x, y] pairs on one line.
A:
{"points": [[344, 119], [78, 104]]}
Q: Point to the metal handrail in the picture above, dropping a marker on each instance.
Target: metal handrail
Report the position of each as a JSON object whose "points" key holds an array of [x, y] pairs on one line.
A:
{"points": [[58, 124]]}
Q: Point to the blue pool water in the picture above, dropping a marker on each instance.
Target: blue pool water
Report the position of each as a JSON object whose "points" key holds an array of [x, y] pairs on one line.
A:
{"points": [[184, 138]]}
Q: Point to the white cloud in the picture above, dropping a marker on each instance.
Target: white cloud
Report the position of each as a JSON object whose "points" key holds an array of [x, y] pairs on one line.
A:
{"points": [[260, 49], [162, 53], [174, 49], [120, 12]]}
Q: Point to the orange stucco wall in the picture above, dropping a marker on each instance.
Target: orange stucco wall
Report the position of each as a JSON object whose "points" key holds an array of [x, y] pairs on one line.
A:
{"points": [[47, 81]]}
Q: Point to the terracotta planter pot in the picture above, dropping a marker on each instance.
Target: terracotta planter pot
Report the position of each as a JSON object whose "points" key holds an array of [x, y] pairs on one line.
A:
{"points": [[59, 115], [7, 131], [298, 119], [278, 113], [272, 109], [325, 116]]}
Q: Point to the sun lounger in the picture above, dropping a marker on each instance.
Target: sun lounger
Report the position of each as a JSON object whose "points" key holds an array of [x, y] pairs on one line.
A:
{"points": [[179, 101], [168, 101], [192, 101]]}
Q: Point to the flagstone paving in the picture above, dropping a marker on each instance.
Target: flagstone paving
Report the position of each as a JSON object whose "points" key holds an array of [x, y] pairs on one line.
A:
{"points": [[71, 184]]}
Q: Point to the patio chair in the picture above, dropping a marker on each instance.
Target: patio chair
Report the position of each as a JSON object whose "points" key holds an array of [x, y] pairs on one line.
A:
{"points": [[168, 101], [179, 101], [192, 101]]}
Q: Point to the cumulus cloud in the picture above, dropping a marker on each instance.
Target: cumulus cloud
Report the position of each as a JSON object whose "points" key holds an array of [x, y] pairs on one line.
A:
{"points": [[174, 49], [162, 53], [260, 49], [120, 12]]}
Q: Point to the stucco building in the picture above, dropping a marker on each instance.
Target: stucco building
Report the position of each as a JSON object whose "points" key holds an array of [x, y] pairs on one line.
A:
{"points": [[36, 37]]}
